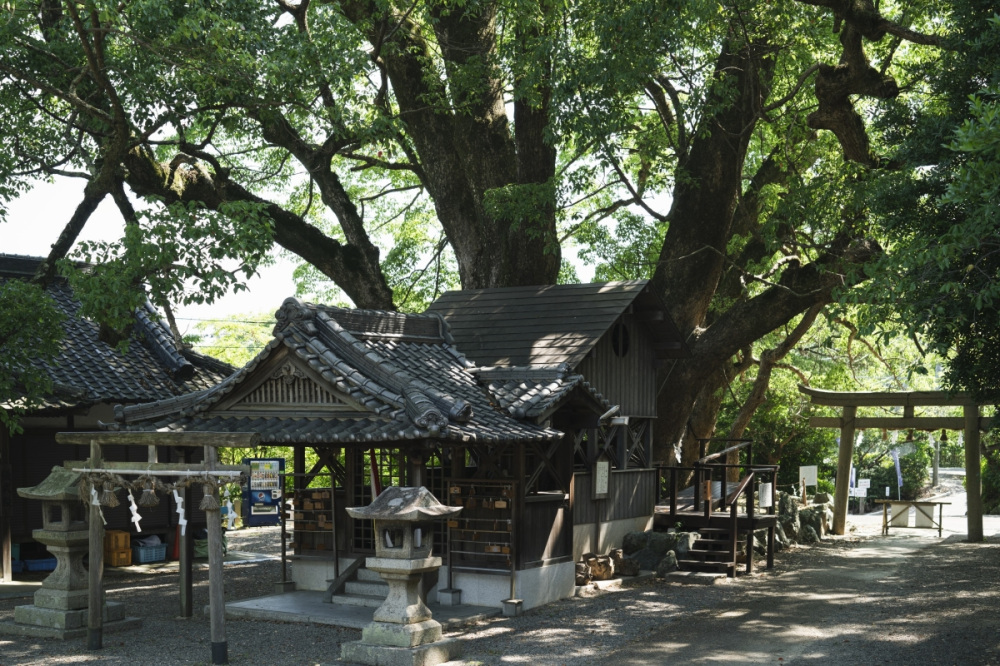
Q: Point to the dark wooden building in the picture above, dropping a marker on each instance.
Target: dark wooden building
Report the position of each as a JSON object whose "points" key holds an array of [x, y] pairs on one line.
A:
{"points": [[369, 398], [613, 337], [88, 378]]}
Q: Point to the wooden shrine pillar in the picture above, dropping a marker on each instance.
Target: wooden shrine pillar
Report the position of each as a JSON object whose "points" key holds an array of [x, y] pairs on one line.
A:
{"points": [[216, 592], [185, 550], [973, 482], [6, 506], [844, 458], [95, 599]]}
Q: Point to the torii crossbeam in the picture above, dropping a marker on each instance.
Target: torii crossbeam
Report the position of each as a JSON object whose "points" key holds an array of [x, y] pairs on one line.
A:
{"points": [[971, 423]]}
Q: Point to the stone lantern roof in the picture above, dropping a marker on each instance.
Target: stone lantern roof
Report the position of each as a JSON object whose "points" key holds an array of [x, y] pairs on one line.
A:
{"points": [[60, 485], [404, 505]]}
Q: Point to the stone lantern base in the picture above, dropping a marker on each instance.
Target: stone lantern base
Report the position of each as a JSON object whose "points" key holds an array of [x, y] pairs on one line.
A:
{"points": [[430, 654], [402, 633], [60, 608]]}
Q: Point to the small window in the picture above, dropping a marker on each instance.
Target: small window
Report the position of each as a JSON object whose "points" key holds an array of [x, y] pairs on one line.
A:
{"points": [[392, 538], [620, 339]]}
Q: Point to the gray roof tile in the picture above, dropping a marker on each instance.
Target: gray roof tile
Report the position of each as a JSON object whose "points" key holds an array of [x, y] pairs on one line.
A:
{"points": [[547, 325], [399, 367], [88, 371]]}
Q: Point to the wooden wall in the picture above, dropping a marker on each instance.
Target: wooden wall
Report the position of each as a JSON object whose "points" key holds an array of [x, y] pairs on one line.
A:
{"points": [[628, 380], [546, 530], [631, 494]]}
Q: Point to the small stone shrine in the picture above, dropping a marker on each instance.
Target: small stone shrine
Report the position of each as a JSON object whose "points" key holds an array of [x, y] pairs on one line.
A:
{"points": [[402, 631], [60, 608]]}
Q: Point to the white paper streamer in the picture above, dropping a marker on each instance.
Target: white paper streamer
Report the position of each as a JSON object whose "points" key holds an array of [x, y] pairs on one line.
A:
{"points": [[133, 507], [181, 519], [96, 501]]}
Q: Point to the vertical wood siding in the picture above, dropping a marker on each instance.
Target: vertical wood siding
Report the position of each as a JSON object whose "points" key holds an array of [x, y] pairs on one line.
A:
{"points": [[631, 494], [629, 380], [546, 532]]}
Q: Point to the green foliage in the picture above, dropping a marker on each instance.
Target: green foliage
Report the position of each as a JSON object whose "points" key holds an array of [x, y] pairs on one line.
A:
{"points": [[235, 340], [31, 327], [951, 453], [625, 248], [990, 472], [174, 251], [939, 213], [873, 460]]}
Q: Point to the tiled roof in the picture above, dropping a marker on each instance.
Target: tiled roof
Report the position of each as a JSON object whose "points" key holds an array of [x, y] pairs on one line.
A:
{"points": [[399, 369], [549, 325], [535, 392], [89, 371]]}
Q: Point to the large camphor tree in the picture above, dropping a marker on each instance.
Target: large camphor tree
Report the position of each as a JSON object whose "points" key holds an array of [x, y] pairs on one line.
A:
{"points": [[715, 148]]}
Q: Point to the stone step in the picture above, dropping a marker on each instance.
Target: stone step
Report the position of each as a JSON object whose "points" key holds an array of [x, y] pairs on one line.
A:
{"points": [[366, 600], [366, 588], [695, 565], [697, 577], [708, 555], [368, 576]]}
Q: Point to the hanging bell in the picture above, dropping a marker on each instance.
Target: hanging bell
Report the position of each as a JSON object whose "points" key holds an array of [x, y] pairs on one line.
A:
{"points": [[149, 497], [108, 496]]}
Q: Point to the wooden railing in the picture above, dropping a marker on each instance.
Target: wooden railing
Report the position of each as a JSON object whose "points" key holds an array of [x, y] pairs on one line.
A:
{"points": [[706, 470]]}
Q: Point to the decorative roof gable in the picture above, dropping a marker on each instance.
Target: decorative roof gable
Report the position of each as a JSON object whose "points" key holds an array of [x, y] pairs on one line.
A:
{"points": [[285, 384], [338, 376]]}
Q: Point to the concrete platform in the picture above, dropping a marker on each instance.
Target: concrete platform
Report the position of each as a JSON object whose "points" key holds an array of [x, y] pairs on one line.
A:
{"points": [[19, 589], [307, 606]]}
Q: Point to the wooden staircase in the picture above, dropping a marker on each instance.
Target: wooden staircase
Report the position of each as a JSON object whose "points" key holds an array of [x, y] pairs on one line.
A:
{"points": [[714, 552], [721, 513]]}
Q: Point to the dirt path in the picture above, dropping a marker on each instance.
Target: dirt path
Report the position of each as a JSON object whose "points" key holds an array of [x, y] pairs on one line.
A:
{"points": [[909, 598]]}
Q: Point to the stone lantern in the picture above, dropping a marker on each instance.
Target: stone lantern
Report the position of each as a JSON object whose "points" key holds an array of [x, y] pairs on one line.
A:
{"points": [[60, 608], [402, 630]]}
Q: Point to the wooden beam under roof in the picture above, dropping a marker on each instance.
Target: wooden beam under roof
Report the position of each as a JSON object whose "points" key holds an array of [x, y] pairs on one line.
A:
{"points": [[136, 438]]}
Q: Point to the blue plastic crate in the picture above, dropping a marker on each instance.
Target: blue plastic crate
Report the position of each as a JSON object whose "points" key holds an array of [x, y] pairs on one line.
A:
{"points": [[46, 564], [17, 566], [147, 554]]}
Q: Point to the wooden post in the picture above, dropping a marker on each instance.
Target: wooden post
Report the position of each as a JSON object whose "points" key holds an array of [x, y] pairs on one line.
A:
{"points": [[6, 506], [846, 454], [621, 446], [95, 596], [973, 482], [216, 593], [186, 553], [803, 483]]}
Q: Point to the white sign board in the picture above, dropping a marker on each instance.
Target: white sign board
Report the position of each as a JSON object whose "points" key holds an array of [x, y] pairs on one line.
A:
{"points": [[810, 473], [602, 471], [864, 483], [859, 492]]}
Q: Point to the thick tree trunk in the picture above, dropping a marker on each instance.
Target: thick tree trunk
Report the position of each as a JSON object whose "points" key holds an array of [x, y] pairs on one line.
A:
{"points": [[466, 149], [800, 288]]}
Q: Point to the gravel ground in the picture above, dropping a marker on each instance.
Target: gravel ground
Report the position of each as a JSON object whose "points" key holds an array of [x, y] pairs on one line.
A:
{"points": [[859, 598]]}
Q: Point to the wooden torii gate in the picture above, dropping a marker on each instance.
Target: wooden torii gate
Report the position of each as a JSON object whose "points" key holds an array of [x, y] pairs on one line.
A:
{"points": [[971, 423], [211, 442]]}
